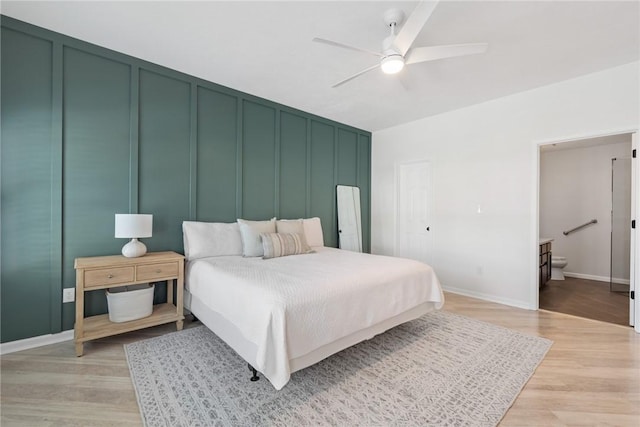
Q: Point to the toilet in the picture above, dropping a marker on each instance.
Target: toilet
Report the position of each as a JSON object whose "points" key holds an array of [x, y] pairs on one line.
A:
{"points": [[557, 264]]}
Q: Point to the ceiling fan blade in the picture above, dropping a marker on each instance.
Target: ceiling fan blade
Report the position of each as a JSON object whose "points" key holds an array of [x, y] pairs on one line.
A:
{"points": [[359, 73], [413, 26], [422, 54], [345, 46]]}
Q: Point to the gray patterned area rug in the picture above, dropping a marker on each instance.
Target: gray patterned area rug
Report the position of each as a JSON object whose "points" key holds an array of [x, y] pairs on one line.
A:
{"points": [[442, 369]]}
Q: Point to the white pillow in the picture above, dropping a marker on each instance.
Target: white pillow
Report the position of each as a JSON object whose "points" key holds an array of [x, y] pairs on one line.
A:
{"points": [[291, 226], [313, 231], [205, 239], [250, 234]]}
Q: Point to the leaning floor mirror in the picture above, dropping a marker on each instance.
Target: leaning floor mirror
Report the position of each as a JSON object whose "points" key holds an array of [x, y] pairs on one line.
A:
{"points": [[349, 222]]}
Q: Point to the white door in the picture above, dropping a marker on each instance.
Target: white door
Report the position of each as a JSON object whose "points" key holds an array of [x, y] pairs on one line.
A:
{"points": [[413, 228], [349, 222]]}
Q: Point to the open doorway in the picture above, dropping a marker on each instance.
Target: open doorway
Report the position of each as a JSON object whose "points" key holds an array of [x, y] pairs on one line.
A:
{"points": [[584, 218]]}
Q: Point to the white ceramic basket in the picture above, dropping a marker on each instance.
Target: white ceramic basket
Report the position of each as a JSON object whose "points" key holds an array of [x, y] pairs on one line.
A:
{"points": [[128, 303]]}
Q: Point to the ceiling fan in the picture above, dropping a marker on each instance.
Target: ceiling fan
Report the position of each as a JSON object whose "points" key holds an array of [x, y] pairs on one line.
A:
{"points": [[397, 49]]}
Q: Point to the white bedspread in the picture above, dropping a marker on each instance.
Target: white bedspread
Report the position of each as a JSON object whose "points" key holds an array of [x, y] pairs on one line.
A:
{"points": [[292, 305]]}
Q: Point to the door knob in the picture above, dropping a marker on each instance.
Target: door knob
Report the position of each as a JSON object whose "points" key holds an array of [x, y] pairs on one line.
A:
{"points": [[427, 228]]}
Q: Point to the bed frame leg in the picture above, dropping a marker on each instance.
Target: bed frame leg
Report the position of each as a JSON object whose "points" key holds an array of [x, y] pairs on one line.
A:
{"points": [[255, 376]]}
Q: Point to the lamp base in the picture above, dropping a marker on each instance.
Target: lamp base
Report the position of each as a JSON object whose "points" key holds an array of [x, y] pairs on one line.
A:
{"points": [[134, 249]]}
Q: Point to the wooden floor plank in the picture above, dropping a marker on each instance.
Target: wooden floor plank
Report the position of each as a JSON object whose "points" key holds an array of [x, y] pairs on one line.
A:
{"points": [[591, 375]]}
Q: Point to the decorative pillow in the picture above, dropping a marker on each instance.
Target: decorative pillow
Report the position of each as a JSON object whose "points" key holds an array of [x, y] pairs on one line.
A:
{"points": [[250, 234], [205, 239], [292, 226], [289, 226], [313, 231], [283, 244]]}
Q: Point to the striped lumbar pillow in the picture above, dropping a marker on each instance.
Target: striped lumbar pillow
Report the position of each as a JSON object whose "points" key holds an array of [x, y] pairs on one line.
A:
{"points": [[283, 244]]}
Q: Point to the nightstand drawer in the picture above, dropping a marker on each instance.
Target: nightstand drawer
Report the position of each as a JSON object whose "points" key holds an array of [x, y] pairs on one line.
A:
{"points": [[156, 271], [108, 276]]}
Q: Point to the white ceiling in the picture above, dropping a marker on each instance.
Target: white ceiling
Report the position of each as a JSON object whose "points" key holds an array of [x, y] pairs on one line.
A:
{"points": [[264, 48]]}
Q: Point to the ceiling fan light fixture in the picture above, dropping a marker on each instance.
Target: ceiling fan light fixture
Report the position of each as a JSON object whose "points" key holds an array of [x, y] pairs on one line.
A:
{"points": [[392, 64], [397, 46]]}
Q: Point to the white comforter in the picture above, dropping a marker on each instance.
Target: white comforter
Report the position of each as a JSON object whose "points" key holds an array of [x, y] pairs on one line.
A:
{"points": [[292, 305]]}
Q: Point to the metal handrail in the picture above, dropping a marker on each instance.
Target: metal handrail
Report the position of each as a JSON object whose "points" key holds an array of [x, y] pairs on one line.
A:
{"points": [[593, 221]]}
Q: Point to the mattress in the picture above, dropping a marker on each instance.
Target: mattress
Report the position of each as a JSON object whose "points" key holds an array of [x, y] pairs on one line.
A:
{"points": [[289, 307]]}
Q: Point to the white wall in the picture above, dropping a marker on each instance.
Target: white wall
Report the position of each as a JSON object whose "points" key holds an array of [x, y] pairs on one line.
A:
{"points": [[487, 154], [575, 187]]}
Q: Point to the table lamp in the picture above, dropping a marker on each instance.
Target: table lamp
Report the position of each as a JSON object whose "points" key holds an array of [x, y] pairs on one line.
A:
{"points": [[133, 226]]}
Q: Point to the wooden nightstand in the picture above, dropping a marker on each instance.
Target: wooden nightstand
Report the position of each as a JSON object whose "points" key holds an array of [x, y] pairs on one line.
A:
{"points": [[116, 270]]}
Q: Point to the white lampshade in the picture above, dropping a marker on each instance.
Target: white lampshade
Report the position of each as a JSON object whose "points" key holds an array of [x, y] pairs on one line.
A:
{"points": [[134, 226], [392, 64]]}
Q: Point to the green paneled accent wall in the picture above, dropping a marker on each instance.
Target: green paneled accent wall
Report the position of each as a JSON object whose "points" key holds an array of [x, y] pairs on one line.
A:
{"points": [[347, 157], [217, 155], [163, 188], [26, 189], [88, 132], [293, 165], [258, 161], [96, 115], [323, 200]]}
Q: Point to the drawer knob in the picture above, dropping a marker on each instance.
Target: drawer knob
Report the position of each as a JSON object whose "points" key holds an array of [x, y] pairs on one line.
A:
{"points": [[110, 276]]}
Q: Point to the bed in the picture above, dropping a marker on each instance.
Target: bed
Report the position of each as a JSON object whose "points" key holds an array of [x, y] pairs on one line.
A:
{"points": [[286, 313]]}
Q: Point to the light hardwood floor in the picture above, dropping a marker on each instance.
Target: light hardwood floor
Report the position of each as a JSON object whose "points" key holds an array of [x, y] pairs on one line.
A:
{"points": [[591, 375]]}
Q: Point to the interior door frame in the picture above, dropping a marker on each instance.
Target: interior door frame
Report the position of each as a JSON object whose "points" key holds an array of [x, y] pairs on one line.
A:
{"points": [[634, 265]]}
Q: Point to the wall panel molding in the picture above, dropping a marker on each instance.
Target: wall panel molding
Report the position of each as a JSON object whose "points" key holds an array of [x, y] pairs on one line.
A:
{"points": [[193, 153], [56, 187], [134, 139]]}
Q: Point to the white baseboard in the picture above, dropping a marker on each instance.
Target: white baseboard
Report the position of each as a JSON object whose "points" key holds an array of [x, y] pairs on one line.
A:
{"points": [[488, 297], [26, 344], [596, 278]]}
